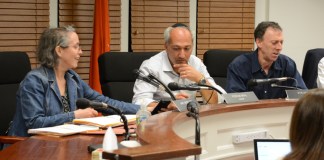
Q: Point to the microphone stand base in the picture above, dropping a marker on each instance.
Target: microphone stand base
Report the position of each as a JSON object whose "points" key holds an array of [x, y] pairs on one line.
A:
{"points": [[94, 147], [122, 144]]}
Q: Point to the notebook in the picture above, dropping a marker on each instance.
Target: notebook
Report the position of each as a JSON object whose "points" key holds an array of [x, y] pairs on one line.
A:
{"points": [[271, 149]]}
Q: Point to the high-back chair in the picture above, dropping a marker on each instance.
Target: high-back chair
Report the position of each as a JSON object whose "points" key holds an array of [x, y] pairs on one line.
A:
{"points": [[13, 68], [310, 67], [116, 73], [217, 61]]}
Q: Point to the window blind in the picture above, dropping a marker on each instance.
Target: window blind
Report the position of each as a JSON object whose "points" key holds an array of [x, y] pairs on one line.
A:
{"points": [[21, 22], [221, 24], [225, 24], [149, 18]]}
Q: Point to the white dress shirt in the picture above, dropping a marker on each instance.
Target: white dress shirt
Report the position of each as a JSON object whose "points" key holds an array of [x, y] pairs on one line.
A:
{"points": [[159, 66], [320, 77]]}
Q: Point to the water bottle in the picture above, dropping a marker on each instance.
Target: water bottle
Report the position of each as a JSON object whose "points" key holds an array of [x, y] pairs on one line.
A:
{"points": [[142, 114]]}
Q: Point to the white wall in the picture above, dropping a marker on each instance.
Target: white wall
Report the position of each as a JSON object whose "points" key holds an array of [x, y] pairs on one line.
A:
{"points": [[301, 21], [53, 14]]}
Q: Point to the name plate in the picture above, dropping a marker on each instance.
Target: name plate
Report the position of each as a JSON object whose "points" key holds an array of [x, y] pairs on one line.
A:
{"points": [[240, 97], [181, 104], [295, 94]]}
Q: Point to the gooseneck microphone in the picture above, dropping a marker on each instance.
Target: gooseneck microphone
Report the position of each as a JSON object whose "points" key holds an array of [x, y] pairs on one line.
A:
{"points": [[140, 75], [151, 79], [194, 87], [255, 82], [285, 87], [83, 103], [191, 87], [193, 109]]}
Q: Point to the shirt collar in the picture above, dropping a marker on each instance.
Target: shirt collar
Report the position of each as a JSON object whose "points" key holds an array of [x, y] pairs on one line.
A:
{"points": [[51, 74], [255, 62], [256, 65], [166, 65]]}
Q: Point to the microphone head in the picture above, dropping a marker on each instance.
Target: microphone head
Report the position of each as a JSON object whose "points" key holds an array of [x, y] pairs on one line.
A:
{"points": [[252, 83], [173, 86], [139, 75], [136, 72], [82, 103], [192, 106]]}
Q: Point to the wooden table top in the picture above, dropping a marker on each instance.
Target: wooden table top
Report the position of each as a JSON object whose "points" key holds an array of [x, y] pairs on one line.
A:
{"points": [[158, 139], [47, 148]]}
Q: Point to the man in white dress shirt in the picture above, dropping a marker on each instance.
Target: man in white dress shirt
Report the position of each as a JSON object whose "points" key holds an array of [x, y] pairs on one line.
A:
{"points": [[174, 64]]}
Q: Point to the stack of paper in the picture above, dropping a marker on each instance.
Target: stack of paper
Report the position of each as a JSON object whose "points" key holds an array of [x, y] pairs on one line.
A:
{"points": [[84, 125], [62, 130], [105, 121]]}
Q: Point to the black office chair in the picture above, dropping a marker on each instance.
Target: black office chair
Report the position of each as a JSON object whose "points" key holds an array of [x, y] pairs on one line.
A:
{"points": [[116, 73], [312, 58], [217, 61], [13, 68]]}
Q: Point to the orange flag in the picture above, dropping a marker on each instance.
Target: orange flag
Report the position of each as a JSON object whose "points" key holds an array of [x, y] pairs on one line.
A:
{"points": [[101, 41]]}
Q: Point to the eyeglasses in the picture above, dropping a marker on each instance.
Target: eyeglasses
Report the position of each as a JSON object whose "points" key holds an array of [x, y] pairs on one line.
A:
{"points": [[77, 47]]}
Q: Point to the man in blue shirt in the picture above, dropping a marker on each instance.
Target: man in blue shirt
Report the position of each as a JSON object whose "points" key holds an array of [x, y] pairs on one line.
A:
{"points": [[265, 62]]}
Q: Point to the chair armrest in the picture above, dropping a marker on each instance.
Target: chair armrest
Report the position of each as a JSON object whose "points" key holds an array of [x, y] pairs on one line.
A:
{"points": [[11, 139]]}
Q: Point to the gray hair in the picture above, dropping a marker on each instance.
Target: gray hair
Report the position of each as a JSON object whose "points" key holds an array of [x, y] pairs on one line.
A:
{"points": [[168, 30], [49, 40], [262, 27]]}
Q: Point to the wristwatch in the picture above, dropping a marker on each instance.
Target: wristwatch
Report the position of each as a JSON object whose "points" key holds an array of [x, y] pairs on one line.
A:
{"points": [[202, 81]]}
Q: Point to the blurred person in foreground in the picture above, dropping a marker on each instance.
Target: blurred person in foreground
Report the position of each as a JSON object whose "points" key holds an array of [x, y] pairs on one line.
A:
{"points": [[307, 127]]}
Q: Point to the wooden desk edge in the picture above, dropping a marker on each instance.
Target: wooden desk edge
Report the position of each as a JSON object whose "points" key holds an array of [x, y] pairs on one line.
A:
{"points": [[159, 141]]}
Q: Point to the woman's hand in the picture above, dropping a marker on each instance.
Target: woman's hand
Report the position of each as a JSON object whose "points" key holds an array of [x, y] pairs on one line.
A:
{"points": [[85, 113]]}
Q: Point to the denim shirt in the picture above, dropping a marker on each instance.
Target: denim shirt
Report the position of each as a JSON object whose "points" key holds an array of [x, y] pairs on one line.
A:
{"points": [[39, 101], [246, 67]]}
